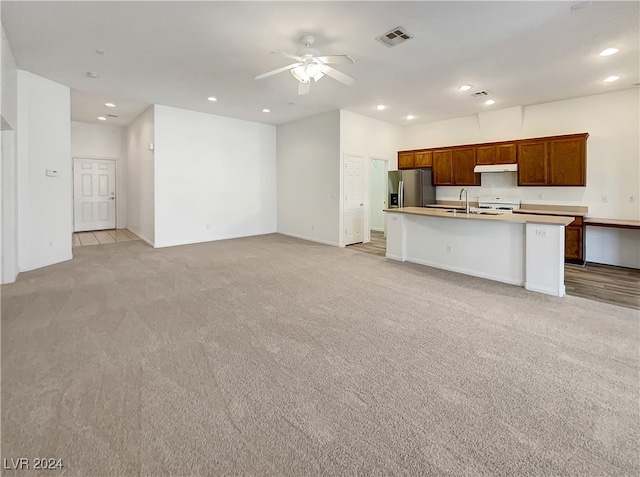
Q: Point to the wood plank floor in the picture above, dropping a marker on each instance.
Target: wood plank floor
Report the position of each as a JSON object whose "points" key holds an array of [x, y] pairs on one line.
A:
{"points": [[605, 283], [98, 237]]}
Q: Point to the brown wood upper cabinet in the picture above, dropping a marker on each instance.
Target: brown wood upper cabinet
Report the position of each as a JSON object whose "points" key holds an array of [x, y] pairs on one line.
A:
{"points": [[423, 158], [553, 161], [497, 153], [443, 167], [464, 160], [455, 166], [406, 159]]}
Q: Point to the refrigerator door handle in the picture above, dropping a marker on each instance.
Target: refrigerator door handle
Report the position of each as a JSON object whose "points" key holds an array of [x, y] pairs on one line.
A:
{"points": [[401, 194]]}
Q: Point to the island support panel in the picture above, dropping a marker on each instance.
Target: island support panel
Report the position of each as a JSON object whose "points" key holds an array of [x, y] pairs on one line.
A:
{"points": [[529, 255]]}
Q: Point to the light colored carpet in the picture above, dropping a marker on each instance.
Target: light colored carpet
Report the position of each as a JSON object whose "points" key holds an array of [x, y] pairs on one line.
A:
{"points": [[272, 355]]}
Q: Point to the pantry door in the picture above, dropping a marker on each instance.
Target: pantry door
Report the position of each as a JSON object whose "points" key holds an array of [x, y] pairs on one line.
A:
{"points": [[94, 194]]}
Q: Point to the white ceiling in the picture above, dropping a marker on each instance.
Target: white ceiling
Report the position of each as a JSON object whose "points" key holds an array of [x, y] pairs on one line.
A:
{"points": [[178, 53]]}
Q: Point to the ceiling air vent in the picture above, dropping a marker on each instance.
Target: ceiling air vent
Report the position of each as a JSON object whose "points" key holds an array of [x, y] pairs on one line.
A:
{"points": [[394, 37], [480, 94], [112, 115]]}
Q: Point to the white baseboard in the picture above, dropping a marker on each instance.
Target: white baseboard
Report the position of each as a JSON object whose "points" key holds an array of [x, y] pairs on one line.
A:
{"points": [[310, 239], [207, 239], [546, 290], [391, 256], [473, 273]]}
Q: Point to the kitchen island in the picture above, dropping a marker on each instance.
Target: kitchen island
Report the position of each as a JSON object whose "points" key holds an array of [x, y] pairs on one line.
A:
{"points": [[524, 250]]}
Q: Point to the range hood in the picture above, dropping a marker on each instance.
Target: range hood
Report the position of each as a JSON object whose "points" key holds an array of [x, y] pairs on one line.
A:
{"points": [[496, 168]]}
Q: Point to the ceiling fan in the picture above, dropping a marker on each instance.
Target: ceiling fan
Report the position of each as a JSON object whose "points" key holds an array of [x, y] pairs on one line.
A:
{"points": [[310, 65]]}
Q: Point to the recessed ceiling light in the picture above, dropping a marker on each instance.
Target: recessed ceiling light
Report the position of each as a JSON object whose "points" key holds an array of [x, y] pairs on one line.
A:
{"points": [[381, 107], [609, 52], [212, 98], [90, 74], [465, 87], [102, 118], [265, 110], [611, 79], [410, 116], [110, 105], [489, 102]]}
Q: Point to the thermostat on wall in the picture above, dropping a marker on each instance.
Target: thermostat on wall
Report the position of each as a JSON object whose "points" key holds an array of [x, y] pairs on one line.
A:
{"points": [[51, 173]]}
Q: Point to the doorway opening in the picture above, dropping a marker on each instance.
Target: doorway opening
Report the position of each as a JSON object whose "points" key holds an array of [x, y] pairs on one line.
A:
{"points": [[378, 171]]}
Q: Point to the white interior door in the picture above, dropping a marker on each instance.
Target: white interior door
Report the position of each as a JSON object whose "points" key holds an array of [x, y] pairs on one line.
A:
{"points": [[353, 199], [94, 194]]}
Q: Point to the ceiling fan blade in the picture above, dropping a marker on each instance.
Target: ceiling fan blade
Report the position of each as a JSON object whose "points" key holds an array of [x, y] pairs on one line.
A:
{"points": [[338, 75], [287, 55], [336, 59], [303, 88], [275, 72]]}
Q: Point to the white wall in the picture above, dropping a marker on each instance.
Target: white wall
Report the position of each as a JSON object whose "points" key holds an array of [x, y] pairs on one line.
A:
{"points": [[215, 177], [371, 139], [309, 178], [140, 177], [45, 208], [8, 184], [98, 141], [613, 148], [8, 83]]}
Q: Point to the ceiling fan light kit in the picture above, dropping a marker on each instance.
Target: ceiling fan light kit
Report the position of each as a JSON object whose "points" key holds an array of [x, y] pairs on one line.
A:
{"points": [[310, 65]]}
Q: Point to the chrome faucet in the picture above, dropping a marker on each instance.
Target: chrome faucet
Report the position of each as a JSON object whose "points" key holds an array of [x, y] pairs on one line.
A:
{"points": [[466, 199]]}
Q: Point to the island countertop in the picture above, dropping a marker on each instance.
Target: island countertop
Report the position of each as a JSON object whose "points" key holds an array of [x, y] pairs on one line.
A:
{"points": [[460, 214]]}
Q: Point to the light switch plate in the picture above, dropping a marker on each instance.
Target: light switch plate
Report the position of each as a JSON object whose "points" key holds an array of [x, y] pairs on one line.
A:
{"points": [[51, 173]]}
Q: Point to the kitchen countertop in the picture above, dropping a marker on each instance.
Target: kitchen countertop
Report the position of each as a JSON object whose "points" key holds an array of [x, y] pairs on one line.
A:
{"points": [[575, 211], [514, 218]]}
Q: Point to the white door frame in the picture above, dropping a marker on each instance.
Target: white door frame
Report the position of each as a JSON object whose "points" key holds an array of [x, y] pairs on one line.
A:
{"points": [[367, 230], [9, 208], [115, 184]]}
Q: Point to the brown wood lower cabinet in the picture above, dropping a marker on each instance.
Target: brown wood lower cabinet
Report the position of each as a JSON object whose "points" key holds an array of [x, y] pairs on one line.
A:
{"points": [[574, 241]]}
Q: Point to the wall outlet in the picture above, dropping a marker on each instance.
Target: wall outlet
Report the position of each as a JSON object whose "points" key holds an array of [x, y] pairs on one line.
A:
{"points": [[605, 199], [539, 196], [448, 248], [542, 233]]}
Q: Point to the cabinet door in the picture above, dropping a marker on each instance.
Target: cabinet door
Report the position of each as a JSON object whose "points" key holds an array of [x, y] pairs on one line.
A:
{"points": [[505, 154], [485, 155], [464, 160], [532, 163], [567, 161], [423, 159], [574, 241], [496, 154], [405, 159], [442, 167]]}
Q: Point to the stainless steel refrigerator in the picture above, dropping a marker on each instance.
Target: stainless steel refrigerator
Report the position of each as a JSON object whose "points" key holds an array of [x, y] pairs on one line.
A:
{"points": [[411, 188]]}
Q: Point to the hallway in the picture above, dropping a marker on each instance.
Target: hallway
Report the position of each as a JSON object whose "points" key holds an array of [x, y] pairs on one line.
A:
{"points": [[99, 237]]}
